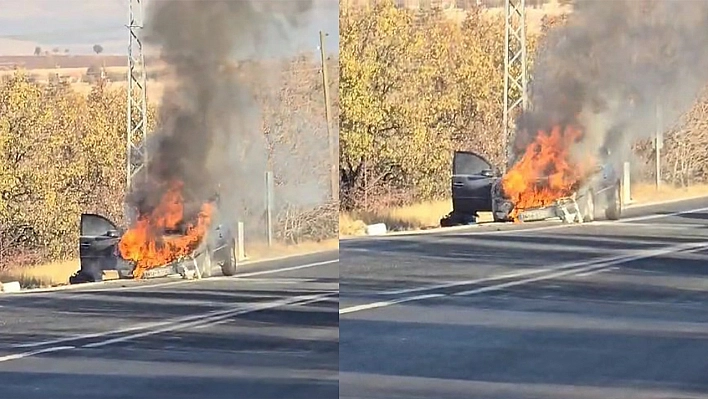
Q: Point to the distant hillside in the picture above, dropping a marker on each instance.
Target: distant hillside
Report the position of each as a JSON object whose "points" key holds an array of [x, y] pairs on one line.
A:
{"points": [[60, 61]]}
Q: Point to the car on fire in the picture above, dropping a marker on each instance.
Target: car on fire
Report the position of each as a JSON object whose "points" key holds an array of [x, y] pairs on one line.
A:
{"points": [[477, 187], [98, 250]]}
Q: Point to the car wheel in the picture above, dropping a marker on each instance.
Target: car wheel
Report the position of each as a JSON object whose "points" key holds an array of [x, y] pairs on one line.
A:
{"points": [[614, 205], [228, 267], [587, 207]]}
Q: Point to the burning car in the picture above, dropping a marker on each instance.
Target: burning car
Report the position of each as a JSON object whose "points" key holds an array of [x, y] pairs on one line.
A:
{"points": [[479, 187], [473, 178], [102, 247]]}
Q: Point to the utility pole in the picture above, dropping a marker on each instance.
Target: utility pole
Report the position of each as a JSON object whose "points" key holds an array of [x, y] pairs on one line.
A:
{"points": [[333, 154], [136, 131], [515, 70]]}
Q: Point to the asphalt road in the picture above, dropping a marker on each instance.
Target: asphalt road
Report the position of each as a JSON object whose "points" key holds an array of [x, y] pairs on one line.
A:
{"points": [[269, 333], [603, 310]]}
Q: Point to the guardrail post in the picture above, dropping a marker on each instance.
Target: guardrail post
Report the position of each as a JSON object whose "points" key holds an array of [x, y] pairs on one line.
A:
{"points": [[626, 189], [269, 207], [240, 243]]}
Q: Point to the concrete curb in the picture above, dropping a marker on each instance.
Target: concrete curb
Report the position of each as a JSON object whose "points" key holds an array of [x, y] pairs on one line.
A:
{"points": [[489, 223], [10, 287], [104, 283]]}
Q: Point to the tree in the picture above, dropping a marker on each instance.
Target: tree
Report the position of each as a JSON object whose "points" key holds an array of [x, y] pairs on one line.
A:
{"points": [[414, 87], [97, 48], [37, 51], [63, 153]]}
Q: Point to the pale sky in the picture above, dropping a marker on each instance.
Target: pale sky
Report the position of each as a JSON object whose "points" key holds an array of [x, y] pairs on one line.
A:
{"points": [[79, 24]]}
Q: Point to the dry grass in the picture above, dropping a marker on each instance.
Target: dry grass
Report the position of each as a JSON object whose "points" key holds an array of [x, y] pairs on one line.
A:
{"points": [[349, 225], [645, 192], [413, 217], [256, 251], [47, 275]]}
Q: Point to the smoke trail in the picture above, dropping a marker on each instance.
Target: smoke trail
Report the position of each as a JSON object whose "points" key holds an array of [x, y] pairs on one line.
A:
{"points": [[611, 65], [210, 135]]}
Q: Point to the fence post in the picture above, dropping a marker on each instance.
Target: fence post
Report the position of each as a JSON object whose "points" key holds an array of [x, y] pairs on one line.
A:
{"points": [[626, 190], [658, 144], [240, 243], [269, 207]]}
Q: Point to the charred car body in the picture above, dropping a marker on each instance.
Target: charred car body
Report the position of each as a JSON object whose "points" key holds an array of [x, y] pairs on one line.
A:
{"points": [[98, 252], [477, 187]]}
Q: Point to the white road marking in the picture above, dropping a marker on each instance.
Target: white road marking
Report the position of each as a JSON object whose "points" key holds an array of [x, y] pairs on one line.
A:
{"points": [[383, 304], [34, 353], [661, 215], [276, 280], [281, 270], [559, 271], [590, 273], [663, 226], [237, 275], [466, 282], [213, 318], [131, 329], [664, 202], [303, 303], [625, 256], [83, 287], [590, 268], [186, 322], [158, 324]]}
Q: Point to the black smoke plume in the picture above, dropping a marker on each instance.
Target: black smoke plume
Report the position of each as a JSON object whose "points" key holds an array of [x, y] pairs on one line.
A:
{"points": [[209, 135], [612, 66]]}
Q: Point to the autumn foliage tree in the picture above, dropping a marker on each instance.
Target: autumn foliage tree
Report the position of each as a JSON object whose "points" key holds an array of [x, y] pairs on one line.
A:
{"points": [[416, 85], [63, 153], [59, 156]]}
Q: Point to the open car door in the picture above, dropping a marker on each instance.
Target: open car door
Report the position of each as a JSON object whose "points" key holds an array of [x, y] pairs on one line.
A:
{"points": [[472, 179], [97, 248]]}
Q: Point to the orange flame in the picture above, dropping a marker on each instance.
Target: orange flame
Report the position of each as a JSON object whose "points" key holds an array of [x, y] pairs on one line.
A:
{"points": [[545, 172], [148, 246]]}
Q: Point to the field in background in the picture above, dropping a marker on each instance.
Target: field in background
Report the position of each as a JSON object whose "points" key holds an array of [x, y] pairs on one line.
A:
{"points": [[78, 81], [74, 68], [53, 61], [427, 215]]}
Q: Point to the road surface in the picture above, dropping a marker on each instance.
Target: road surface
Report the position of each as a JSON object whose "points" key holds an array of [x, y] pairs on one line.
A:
{"points": [[603, 310], [266, 333]]}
